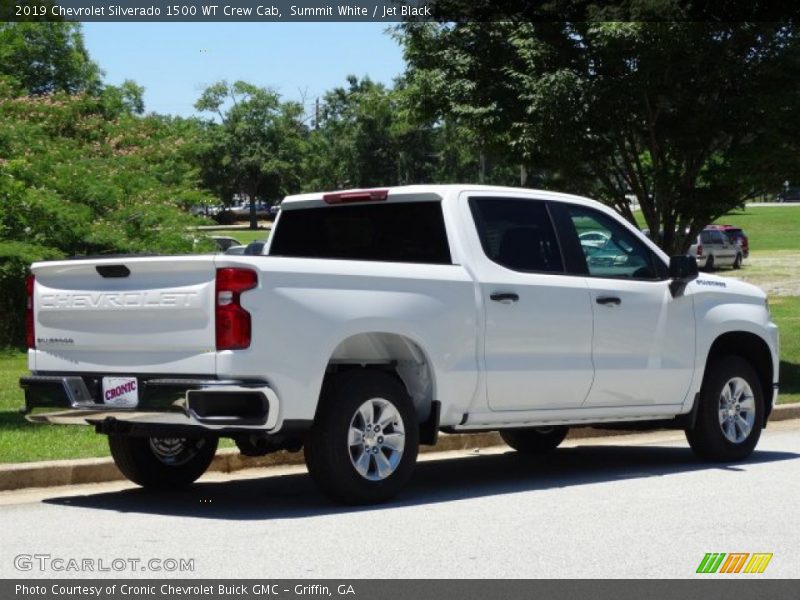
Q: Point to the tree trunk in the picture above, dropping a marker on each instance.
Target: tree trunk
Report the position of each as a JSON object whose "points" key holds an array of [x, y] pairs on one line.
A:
{"points": [[253, 217]]}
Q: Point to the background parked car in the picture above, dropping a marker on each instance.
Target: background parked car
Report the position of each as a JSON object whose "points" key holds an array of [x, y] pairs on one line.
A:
{"points": [[255, 248], [242, 211], [239, 250], [737, 234], [790, 195], [597, 239], [714, 248], [205, 210], [224, 242]]}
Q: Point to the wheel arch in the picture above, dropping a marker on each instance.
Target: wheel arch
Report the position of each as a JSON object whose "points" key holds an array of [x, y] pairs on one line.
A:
{"points": [[391, 352], [752, 348]]}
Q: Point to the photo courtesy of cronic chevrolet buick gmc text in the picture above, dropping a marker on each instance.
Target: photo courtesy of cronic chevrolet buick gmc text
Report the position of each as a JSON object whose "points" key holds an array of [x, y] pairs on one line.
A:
{"points": [[376, 318]]}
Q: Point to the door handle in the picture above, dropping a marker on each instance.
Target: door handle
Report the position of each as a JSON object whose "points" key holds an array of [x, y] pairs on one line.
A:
{"points": [[505, 297], [608, 300]]}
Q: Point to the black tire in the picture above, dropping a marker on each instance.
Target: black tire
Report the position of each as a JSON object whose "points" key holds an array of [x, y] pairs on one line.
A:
{"points": [[331, 460], [707, 438], [710, 263], [737, 263], [180, 462], [535, 440]]}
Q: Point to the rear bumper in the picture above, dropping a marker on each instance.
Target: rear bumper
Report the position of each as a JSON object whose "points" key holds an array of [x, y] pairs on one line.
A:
{"points": [[212, 405]]}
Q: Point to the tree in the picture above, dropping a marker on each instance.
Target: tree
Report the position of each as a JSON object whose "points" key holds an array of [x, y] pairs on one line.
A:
{"points": [[690, 118], [47, 57], [354, 145], [258, 145]]}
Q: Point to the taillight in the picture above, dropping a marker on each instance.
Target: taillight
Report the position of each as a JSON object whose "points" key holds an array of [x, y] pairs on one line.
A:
{"points": [[356, 196], [699, 249], [233, 321], [30, 329]]}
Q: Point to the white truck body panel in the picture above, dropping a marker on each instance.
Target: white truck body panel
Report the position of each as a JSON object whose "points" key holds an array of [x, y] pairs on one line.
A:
{"points": [[323, 303], [160, 319]]}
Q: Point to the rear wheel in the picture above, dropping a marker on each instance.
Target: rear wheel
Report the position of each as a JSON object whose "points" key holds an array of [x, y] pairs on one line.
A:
{"points": [[363, 445], [534, 440], [162, 462], [731, 412]]}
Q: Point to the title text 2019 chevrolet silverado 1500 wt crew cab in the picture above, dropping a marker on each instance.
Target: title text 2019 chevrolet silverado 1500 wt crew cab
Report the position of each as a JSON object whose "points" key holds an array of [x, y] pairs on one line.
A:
{"points": [[376, 318]]}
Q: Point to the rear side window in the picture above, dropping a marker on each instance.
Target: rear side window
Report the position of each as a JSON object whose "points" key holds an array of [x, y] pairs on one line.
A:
{"points": [[517, 234], [410, 232]]}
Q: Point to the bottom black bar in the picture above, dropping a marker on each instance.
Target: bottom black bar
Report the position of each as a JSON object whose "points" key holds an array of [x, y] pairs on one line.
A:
{"points": [[705, 587]]}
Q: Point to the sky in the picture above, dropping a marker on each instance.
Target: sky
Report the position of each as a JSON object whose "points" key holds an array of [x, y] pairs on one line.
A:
{"points": [[176, 61]]}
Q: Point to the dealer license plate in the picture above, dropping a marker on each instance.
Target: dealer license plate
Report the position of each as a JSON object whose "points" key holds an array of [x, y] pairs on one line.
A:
{"points": [[121, 392]]}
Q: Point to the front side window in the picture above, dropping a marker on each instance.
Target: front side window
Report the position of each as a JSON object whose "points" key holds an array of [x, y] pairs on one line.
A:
{"points": [[517, 234], [609, 248]]}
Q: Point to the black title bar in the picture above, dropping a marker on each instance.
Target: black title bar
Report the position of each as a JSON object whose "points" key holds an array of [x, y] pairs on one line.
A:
{"points": [[392, 11]]}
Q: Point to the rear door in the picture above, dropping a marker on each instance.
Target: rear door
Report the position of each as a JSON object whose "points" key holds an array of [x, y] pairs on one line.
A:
{"points": [[138, 315], [537, 343]]}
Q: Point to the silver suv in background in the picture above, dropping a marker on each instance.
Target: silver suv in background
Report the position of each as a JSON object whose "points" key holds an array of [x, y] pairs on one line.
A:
{"points": [[714, 248]]}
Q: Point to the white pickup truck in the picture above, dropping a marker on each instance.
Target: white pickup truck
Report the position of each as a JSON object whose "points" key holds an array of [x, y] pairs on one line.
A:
{"points": [[377, 318]]}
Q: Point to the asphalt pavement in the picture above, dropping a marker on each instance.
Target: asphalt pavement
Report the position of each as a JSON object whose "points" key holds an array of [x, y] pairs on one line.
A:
{"points": [[628, 506]]}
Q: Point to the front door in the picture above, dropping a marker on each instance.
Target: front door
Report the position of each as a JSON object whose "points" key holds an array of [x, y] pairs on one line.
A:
{"points": [[644, 339]]}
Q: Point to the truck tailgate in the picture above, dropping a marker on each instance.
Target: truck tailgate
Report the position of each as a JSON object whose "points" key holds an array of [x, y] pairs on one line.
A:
{"points": [[131, 315]]}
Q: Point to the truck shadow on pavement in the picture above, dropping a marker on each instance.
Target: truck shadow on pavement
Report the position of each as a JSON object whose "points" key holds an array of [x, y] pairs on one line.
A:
{"points": [[294, 496]]}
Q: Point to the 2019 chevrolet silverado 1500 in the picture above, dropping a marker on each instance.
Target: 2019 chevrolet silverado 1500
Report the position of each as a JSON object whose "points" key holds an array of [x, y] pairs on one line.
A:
{"points": [[376, 318]]}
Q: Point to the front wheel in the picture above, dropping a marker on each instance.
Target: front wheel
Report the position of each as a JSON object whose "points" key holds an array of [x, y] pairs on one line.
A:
{"points": [[534, 440], [363, 445], [158, 462], [731, 412]]}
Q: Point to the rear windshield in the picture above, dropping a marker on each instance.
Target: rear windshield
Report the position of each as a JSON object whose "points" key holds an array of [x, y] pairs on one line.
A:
{"points": [[401, 232]]}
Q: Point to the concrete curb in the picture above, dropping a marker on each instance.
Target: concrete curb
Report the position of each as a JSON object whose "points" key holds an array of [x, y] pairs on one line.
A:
{"points": [[228, 460]]}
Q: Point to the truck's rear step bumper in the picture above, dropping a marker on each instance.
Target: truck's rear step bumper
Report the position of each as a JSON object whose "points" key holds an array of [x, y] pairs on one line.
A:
{"points": [[210, 404]]}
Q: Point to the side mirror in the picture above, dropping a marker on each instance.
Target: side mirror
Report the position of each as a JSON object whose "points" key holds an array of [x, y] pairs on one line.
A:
{"points": [[682, 269]]}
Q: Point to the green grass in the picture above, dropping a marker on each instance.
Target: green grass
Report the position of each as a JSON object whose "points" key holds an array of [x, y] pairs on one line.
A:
{"points": [[768, 227], [21, 441], [786, 313]]}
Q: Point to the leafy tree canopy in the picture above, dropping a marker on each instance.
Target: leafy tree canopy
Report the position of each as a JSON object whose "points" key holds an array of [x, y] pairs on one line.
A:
{"points": [[257, 144], [688, 118], [47, 57]]}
